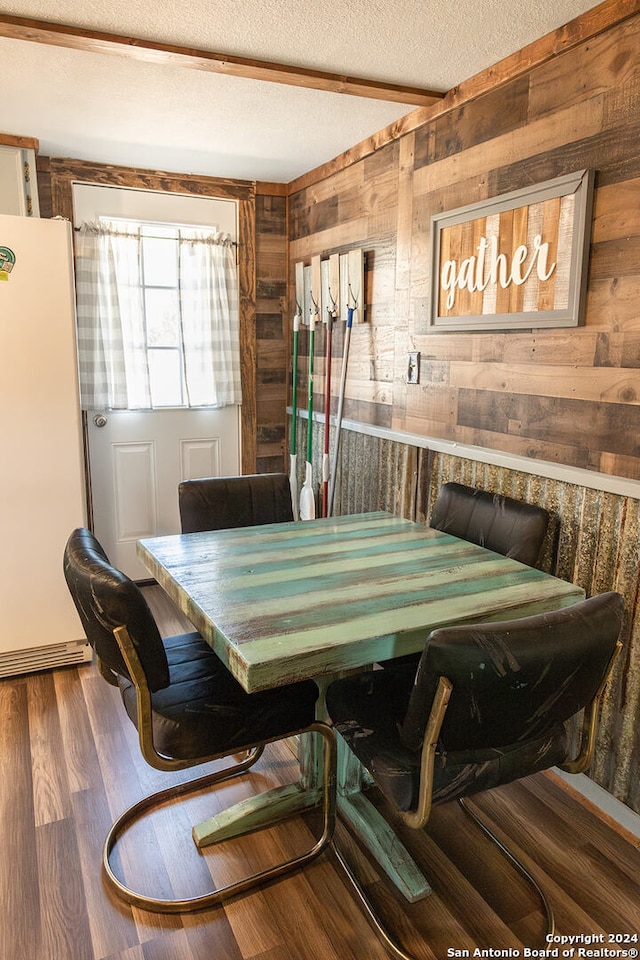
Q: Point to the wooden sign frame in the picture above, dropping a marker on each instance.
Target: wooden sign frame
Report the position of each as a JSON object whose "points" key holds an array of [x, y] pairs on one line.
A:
{"points": [[515, 261]]}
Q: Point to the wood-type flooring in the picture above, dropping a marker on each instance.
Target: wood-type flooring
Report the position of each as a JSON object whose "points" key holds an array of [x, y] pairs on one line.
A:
{"points": [[69, 764]]}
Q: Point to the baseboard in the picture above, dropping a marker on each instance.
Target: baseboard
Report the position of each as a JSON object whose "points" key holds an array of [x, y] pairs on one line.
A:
{"points": [[618, 815]]}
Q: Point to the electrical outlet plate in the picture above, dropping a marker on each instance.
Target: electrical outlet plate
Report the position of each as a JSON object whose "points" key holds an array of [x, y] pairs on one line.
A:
{"points": [[413, 367]]}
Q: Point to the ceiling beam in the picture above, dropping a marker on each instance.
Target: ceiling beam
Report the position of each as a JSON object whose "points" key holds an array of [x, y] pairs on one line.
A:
{"points": [[150, 51]]}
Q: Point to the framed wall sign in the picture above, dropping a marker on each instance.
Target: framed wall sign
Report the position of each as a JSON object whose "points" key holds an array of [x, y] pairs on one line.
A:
{"points": [[519, 260]]}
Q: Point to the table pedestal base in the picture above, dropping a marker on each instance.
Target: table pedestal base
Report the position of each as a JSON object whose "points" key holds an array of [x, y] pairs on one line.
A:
{"points": [[373, 831], [256, 812]]}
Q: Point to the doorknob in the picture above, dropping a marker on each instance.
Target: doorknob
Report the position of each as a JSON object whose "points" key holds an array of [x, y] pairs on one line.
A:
{"points": [[100, 420]]}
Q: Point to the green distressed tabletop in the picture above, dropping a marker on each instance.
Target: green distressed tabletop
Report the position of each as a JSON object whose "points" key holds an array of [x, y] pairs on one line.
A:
{"points": [[291, 600]]}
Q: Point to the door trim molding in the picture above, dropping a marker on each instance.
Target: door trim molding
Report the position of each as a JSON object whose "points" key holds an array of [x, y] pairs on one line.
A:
{"points": [[65, 172]]}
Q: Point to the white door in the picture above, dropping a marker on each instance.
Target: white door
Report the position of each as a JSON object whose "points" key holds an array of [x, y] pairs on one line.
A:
{"points": [[138, 458]]}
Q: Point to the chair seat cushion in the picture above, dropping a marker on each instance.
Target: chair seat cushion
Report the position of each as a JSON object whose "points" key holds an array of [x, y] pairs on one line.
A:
{"points": [[373, 735], [204, 711]]}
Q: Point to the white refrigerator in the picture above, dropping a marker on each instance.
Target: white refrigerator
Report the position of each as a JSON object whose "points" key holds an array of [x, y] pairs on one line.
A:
{"points": [[42, 493]]}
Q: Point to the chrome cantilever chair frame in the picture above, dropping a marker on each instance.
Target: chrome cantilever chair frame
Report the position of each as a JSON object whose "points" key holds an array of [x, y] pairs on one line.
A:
{"points": [[157, 760], [418, 818]]}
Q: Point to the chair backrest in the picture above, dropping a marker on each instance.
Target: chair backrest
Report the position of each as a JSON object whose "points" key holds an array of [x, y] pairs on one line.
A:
{"points": [[219, 503], [514, 680], [105, 598], [500, 523]]}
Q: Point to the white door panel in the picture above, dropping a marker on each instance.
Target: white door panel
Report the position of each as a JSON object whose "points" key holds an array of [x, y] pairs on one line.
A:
{"points": [[134, 490], [200, 458], [138, 458]]}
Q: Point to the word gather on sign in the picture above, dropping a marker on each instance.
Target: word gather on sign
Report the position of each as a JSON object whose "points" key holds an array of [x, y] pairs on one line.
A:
{"points": [[490, 267]]}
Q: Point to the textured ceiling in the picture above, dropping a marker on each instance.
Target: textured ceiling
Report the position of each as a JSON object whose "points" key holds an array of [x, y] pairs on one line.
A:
{"points": [[111, 109]]}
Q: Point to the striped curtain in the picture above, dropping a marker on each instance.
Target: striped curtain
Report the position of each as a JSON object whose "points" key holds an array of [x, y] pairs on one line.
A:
{"points": [[209, 319], [112, 352]]}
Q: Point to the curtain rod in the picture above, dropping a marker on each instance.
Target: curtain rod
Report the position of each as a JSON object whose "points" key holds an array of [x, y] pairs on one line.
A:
{"points": [[149, 236]]}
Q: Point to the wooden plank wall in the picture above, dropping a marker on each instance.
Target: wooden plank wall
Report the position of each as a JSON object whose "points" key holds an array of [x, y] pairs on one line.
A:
{"points": [[271, 331], [567, 396]]}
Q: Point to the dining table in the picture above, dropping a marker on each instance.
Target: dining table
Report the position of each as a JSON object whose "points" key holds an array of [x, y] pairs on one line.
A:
{"points": [[313, 599]]}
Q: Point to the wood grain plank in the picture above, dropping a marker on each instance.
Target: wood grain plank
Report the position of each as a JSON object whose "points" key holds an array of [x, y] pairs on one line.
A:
{"points": [[404, 225], [604, 885], [548, 423], [614, 303], [452, 875], [496, 113], [50, 785], [247, 307], [209, 931], [171, 946], [270, 333], [616, 211], [134, 953], [332, 899], [340, 236], [65, 921], [608, 60], [538, 380], [111, 922], [289, 595], [143, 179], [454, 835], [555, 346], [20, 933], [611, 152], [615, 258], [585, 120], [81, 761]]}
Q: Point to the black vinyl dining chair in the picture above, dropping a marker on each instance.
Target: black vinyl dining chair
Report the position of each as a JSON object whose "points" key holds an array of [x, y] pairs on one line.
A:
{"points": [[511, 527], [187, 708], [503, 524], [220, 503], [489, 703]]}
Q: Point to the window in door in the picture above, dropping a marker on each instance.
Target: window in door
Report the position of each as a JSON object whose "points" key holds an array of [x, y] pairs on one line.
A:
{"points": [[157, 305], [161, 308]]}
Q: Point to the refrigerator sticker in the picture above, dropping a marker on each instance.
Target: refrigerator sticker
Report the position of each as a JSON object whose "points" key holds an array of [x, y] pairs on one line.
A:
{"points": [[7, 262]]}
